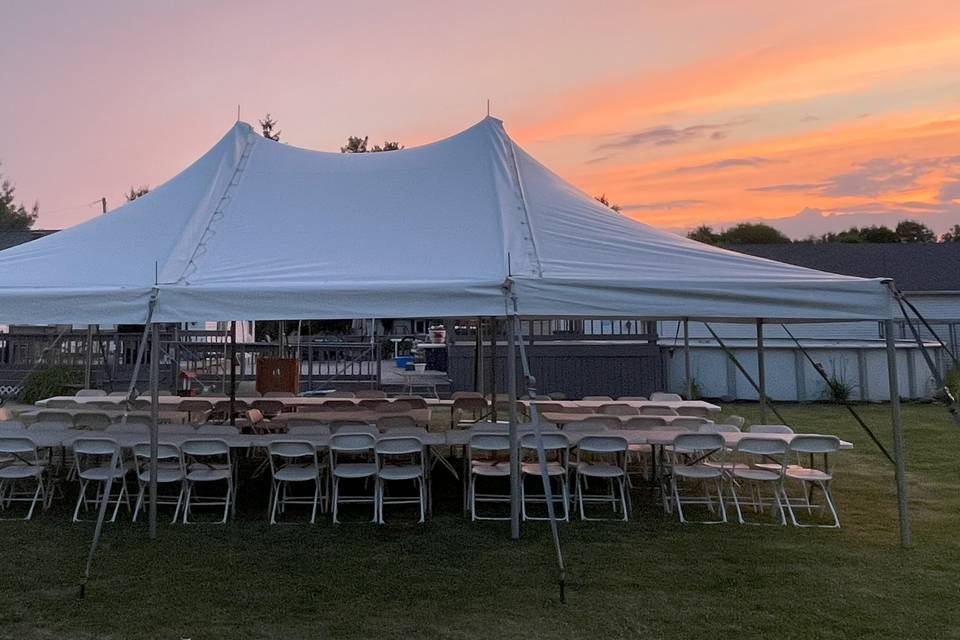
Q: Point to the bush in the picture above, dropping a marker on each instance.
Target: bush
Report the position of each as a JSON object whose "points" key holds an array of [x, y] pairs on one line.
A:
{"points": [[48, 381], [838, 390], [952, 380]]}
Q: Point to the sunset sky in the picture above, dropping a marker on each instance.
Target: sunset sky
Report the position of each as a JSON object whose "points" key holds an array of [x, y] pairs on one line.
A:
{"points": [[682, 112]]}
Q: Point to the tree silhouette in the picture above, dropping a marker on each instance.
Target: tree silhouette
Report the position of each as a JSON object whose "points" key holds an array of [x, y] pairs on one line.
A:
{"points": [[356, 144], [267, 126], [913, 231], [753, 233], [15, 217], [602, 199], [136, 192], [952, 234], [704, 233]]}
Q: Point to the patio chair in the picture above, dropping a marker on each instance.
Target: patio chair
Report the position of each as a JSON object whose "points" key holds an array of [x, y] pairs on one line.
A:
{"points": [[603, 458], [483, 459], [54, 403], [662, 396], [301, 431], [130, 427], [618, 410], [696, 412], [99, 460], [221, 410], [811, 477], [632, 398], [20, 465], [7, 426], [352, 426], [372, 404], [170, 471], [603, 422], [687, 457], [598, 398], [646, 423], [208, 461], [196, 409], [752, 477], [358, 449], [53, 415], [371, 394], [468, 407], [206, 430], [737, 421], [413, 402], [688, 422], [268, 408], [557, 448], [295, 462], [339, 405], [176, 429], [770, 428], [401, 458]]}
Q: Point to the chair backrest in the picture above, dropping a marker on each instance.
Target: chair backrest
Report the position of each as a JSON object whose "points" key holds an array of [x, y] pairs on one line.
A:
{"points": [[761, 446], [308, 430], [551, 441], [218, 430], [39, 427], [11, 425], [223, 406], [456, 395], [53, 415], [340, 394], [695, 442], [552, 407], [62, 404], [268, 408], [602, 444], [398, 445], [602, 421], [389, 422], [344, 427], [194, 405], [769, 428], [584, 427], [130, 427], [657, 410], [714, 427], [646, 423], [737, 421], [414, 402], [488, 442], [662, 396], [254, 416], [699, 412], [205, 448], [688, 422], [352, 442], [90, 393], [20, 446], [618, 410], [287, 450], [634, 398], [469, 403], [118, 394], [486, 426], [96, 447], [340, 405], [371, 393], [418, 432], [134, 418], [814, 444], [598, 398], [172, 429], [165, 451], [93, 421], [142, 405], [373, 404], [306, 422]]}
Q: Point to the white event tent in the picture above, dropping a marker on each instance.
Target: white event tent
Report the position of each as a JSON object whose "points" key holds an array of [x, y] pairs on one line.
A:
{"points": [[468, 226]]}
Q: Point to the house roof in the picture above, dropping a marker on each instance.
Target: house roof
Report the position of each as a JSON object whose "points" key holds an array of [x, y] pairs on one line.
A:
{"points": [[13, 238], [913, 266]]}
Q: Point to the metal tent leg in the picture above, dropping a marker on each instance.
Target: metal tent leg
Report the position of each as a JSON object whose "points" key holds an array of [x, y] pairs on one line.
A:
{"points": [[898, 449]]}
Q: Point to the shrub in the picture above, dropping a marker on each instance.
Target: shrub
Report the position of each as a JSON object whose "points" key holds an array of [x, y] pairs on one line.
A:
{"points": [[838, 390], [46, 382]]}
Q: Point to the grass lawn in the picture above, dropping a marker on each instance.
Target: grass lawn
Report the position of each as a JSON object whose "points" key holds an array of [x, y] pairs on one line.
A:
{"points": [[651, 578]]}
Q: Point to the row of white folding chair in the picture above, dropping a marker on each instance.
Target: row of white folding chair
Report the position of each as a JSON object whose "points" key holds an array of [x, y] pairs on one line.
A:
{"points": [[703, 458], [600, 457]]}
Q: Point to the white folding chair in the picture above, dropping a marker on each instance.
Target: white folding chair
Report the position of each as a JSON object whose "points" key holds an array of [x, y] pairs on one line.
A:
{"points": [[301, 430], [483, 457], [688, 456], [208, 461], [687, 422], [21, 465], [90, 393], [753, 476], [170, 470], [603, 458], [93, 421], [557, 448], [359, 449], [661, 396], [811, 478], [205, 430], [119, 427], [657, 410], [696, 412], [618, 410], [99, 460], [401, 458], [294, 462]]}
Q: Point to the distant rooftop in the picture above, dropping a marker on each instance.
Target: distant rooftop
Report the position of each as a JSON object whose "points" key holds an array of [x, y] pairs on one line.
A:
{"points": [[926, 266], [13, 238]]}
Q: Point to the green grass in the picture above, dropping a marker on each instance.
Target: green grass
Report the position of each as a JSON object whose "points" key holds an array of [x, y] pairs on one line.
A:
{"points": [[651, 578]]}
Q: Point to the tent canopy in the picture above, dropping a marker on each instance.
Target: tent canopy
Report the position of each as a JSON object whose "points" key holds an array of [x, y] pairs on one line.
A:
{"points": [[256, 229]]}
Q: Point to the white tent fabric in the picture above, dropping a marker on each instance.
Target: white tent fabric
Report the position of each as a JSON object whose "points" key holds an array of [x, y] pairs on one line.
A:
{"points": [[261, 230]]}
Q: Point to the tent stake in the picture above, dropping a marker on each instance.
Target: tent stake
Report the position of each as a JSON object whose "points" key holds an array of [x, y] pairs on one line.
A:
{"points": [[898, 452]]}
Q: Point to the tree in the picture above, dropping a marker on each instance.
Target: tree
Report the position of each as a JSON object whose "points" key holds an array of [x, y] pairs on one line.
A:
{"points": [[136, 192], [753, 233], [913, 231], [602, 199], [356, 144], [15, 217], [952, 235], [873, 234], [266, 127], [704, 234]]}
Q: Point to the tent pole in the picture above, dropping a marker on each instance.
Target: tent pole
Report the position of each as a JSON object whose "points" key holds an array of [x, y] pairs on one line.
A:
{"points": [[761, 373], [898, 452], [492, 326], [88, 360], [686, 359], [233, 370], [514, 438], [478, 358], [154, 419]]}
